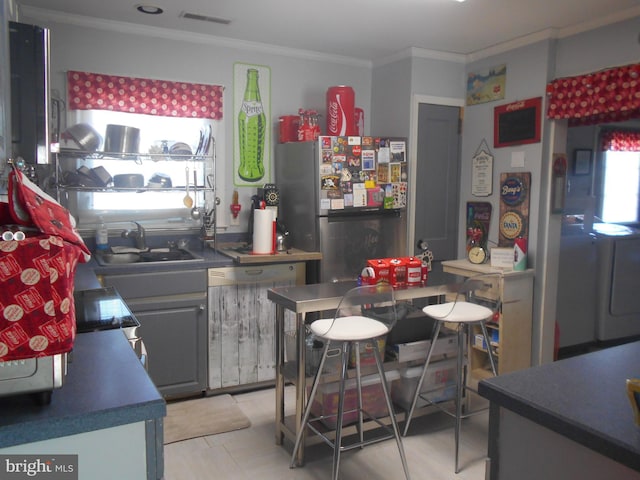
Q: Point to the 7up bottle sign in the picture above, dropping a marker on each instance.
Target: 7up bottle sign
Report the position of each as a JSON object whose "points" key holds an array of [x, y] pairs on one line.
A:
{"points": [[251, 131]]}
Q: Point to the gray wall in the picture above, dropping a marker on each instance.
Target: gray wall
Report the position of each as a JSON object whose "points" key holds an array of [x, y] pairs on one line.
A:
{"points": [[609, 46], [527, 75], [391, 93], [297, 79]]}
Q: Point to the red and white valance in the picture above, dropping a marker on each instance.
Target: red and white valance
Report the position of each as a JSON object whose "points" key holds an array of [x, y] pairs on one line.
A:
{"points": [[611, 95], [95, 91], [620, 141]]}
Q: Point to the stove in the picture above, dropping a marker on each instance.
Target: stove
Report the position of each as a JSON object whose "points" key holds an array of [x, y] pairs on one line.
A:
{"points": [[104, 309]]}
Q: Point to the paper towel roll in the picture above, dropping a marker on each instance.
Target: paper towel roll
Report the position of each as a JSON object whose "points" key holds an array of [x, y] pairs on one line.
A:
{"points": [[263, 231]]}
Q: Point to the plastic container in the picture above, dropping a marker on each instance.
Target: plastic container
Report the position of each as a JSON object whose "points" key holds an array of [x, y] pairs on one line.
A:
{"points": [[326, 401], [439, 384], [102, 236]]}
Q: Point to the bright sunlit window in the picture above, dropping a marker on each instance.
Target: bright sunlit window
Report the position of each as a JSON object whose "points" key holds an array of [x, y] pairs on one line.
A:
{"points": [[621, 189], [154, 130]]}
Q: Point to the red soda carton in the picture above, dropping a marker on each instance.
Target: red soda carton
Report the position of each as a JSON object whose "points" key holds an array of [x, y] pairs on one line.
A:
{"points": [[381, 270], [398, 272], [414, 271]]}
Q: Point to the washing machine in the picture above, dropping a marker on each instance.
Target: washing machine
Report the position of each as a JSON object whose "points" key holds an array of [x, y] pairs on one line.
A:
{"points": [[618, 281]]}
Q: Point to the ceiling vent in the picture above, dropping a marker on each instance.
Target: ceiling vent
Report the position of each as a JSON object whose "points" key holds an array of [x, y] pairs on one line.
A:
{"points": [[205, 18]]}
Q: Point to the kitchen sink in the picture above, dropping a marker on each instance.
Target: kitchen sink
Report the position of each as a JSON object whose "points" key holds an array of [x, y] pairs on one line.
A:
{"points": [[150, 256]]}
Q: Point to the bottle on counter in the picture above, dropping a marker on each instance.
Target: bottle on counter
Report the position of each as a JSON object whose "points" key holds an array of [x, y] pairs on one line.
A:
{"points": [[102, 235]]}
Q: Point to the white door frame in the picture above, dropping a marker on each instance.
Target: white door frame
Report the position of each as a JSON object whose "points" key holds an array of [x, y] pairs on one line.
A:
{"points": [[416, 100]]}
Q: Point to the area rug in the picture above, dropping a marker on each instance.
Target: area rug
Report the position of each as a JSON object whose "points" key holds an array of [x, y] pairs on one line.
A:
{"points": [[202, 417]]}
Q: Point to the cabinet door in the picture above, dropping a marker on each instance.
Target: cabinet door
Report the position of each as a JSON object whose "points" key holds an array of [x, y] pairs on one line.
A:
{"points": [[242, 334], [176, 341]]}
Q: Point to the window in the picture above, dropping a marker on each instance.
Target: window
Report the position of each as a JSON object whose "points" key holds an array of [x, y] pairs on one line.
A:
{"points": [[620, 176], [127, 206], [164, 111], [621, 187]]}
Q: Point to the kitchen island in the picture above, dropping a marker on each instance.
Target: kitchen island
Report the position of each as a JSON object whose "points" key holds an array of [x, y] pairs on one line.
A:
{"points": [[312, 299], [108, 412], [566, 420]]}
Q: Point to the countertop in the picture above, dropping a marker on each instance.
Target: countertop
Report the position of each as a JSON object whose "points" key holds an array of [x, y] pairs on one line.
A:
{"points": [[224, 256], [241, 254], [583, 398], [106, 386], [210, 259]]}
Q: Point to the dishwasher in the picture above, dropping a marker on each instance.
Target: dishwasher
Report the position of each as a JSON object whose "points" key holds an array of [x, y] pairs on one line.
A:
{"points": [[241, 326]]}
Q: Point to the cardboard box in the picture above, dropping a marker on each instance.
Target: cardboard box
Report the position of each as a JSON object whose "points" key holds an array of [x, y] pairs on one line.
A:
{"points": [[439, 384], [326, 400], [502, 257], [445, 345], [313, 355], [479, 342], [398, 272], [366, 353], [381, 270]]}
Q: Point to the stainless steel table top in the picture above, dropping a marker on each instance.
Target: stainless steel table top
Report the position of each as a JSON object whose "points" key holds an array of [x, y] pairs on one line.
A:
{"points": [[326, 296]]}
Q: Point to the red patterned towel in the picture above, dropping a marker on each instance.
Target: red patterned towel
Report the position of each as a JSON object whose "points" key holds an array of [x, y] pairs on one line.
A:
{"points": [[37, 314]]}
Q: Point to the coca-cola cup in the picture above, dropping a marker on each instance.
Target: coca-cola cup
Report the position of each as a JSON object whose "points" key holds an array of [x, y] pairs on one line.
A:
{"points": [[341, 111]]}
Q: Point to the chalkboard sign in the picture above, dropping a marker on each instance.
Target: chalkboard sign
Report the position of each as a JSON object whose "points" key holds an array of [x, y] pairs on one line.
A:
{"points": [[517, 123]]}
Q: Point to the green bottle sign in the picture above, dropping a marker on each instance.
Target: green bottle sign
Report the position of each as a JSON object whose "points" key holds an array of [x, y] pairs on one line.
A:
{"points": [[252, 125]]}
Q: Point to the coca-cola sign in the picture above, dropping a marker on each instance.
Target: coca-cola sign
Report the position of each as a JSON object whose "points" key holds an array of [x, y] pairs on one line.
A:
{"points": [[517, 123]]}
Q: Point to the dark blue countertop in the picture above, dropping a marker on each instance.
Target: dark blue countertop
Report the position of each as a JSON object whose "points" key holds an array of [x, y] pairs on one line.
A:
{"points": [[106, 386], [583, 398]]}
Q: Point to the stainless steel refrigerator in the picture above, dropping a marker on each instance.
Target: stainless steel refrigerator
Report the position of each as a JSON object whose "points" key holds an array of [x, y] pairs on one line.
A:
{"points": [[346, 198]]}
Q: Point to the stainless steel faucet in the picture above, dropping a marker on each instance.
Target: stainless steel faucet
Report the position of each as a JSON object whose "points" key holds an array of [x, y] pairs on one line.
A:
{"points": [[139, 236]]}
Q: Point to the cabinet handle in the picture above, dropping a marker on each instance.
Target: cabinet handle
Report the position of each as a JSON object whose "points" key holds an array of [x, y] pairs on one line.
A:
{"points": [[201, 307]]}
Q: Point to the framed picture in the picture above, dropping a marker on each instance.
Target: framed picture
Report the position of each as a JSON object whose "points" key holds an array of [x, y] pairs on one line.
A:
{"points": [[251, 125], [582, 162], [486, 85], [517, 123]]}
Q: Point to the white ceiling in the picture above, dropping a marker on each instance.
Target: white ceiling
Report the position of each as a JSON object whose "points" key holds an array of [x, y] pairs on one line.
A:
{"points": [[363, 29]]}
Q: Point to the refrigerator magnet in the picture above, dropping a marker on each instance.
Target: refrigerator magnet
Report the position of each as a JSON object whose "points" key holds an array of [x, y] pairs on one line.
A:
{"points": [[330, 182], [337, 204], [384, 155]]}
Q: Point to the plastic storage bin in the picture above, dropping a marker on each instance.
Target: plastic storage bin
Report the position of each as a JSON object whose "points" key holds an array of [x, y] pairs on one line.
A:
{"points": [[439, 384], [326, 400]]}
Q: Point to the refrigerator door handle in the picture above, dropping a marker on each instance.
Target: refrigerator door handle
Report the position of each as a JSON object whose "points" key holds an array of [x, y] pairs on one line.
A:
{"points": [[337, 216]]}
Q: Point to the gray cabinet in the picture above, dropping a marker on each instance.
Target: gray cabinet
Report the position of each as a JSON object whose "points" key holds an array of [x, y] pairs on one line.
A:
{"points": [[172, 309], [241, 327]]}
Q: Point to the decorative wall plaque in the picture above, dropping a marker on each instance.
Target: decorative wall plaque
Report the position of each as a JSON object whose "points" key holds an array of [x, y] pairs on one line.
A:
{"points": [[515, 191]]}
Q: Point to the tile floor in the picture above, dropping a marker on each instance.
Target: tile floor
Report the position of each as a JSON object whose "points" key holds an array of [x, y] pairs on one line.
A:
{"points": [[252, 453]]}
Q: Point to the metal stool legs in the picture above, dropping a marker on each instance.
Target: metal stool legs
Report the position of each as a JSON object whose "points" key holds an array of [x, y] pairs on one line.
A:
{"points": [[460, 381], [394, 422], [434, 336], [337, 443]]}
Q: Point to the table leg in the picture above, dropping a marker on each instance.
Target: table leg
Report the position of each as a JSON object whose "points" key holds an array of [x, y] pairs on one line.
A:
{"points": [[301, 394], [279, 373]]}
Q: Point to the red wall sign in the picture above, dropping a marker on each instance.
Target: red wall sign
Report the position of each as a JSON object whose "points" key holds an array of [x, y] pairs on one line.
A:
{"points": [[517, 123]]}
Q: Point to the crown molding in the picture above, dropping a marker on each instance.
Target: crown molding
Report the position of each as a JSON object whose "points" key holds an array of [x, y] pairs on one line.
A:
{"points": [[512, 45], [554, 33], [179, 35], [415, 52]]}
